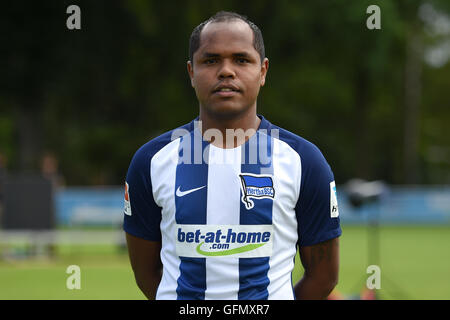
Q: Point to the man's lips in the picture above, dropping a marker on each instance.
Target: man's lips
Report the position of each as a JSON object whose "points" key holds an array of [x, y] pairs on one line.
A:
{"points": [[226, 90]]}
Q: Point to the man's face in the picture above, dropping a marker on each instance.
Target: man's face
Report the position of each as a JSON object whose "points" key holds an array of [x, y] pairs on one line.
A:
{"points": [[226, 71]]}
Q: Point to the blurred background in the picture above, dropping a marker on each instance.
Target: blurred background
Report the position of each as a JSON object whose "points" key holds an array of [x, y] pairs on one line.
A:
{"points": [[76, 104]]}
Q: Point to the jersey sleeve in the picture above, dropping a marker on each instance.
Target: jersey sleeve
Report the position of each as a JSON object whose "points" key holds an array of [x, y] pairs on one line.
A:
{"points": [[142, 216], [317, 208]]}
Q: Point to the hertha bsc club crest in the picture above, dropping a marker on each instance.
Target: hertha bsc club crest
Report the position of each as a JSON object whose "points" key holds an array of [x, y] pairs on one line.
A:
{"points": [[256, 186]]}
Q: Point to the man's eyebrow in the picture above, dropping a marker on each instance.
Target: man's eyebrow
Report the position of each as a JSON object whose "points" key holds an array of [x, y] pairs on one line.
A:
{"points": [[215, 55], [241, 55], [210, 55]]}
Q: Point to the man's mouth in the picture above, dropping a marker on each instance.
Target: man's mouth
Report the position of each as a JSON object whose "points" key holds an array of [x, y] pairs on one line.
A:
{"points": [[226, 90]]}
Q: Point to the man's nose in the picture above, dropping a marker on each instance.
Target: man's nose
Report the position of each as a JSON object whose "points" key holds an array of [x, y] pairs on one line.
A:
{"points": [[226, 70]]}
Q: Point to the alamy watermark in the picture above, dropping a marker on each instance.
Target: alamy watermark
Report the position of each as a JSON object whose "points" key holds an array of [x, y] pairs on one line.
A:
{"points": [[374, 280], [257, 145], [73, 22], [374, 20], [74, 280]]}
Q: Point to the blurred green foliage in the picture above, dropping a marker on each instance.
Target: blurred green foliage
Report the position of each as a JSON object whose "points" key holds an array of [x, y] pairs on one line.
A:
{"points": [[93, 96]]}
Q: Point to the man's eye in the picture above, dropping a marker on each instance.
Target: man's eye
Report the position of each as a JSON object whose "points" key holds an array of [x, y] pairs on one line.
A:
{"points": [[242, 60], [210, 61]]}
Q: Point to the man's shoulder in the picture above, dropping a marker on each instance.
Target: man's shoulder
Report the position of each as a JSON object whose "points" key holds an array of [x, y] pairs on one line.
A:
{"points": [[153, 146], [313, 162], [306, 149]]}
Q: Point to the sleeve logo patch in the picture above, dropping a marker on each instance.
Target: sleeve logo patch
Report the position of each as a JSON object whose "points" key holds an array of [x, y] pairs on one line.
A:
{"points": [[127, 205], [334, 209]]}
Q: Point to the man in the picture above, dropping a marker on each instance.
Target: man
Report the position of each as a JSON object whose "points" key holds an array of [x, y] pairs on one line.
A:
{"points": [[216, 209]]}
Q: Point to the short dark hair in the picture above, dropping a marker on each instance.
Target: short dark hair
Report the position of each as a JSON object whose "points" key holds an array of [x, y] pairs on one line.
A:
{"points": [[224, 16]]}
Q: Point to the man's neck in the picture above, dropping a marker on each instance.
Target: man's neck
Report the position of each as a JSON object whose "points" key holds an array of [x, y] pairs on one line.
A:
{"points": [[229, 132]]}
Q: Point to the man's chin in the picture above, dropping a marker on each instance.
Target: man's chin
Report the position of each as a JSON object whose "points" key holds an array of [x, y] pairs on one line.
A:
{"points": [[225, 111]]}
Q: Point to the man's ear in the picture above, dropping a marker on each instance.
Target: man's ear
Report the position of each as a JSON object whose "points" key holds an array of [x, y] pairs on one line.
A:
{"points": [[190, 70], [264, 69]]}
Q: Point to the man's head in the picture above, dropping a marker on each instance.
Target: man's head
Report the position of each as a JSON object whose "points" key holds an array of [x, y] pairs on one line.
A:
{"points": [[227, 65], [224, 16]]}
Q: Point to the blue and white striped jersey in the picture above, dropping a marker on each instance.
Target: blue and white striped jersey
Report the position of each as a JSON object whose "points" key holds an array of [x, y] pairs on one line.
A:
{"points": [[230, 220]]}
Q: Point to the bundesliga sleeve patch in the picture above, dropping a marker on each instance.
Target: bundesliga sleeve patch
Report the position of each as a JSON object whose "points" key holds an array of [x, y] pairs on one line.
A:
{"points": [[127, 205], [334, 210]]}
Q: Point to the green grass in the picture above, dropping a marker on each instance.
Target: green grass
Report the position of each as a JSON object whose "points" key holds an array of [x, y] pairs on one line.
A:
{"points": [[414, 261], [105, 274]]}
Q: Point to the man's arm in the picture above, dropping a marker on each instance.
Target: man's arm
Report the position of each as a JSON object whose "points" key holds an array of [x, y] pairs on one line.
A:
{"points": [[321, 264], [146, 263]]}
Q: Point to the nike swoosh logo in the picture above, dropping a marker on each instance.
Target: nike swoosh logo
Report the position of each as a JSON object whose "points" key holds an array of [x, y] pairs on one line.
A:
{"points": [[180, 193]]}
